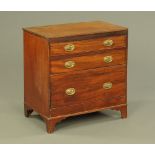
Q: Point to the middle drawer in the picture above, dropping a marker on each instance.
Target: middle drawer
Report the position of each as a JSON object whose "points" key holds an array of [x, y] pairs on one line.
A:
{"points": [[107, 58]]}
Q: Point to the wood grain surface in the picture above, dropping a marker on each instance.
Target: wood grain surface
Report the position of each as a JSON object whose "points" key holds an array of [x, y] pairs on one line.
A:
{"points": [[73, 31], [36, 73], [87, 45], [46, 79], [87, 107], [88, 61], [88, 85]]}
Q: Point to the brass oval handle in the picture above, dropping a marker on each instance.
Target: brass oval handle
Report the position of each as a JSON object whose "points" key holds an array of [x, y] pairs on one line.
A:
{"points": [[108, 59], [107, 85], [70, 91], [69, 64], [108, 42], [69, 47]]}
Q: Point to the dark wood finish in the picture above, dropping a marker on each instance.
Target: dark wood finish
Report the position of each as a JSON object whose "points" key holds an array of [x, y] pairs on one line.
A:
{"points": [[88, 107], [88, 85], [122, 109], [27, 110], [89, 61], [46, 79], [36, 73], [77, 31], [87, 45], [51, 123]]}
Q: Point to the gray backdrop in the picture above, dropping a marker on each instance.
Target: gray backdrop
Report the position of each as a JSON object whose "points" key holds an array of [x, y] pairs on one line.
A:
{"points": [[106, 127]]}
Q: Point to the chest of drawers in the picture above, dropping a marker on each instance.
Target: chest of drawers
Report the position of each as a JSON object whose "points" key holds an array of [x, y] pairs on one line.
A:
{"points": [[73, 69]]}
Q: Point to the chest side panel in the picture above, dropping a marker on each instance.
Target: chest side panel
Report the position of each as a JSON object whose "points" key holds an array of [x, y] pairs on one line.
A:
{"points": [[36, 71]]}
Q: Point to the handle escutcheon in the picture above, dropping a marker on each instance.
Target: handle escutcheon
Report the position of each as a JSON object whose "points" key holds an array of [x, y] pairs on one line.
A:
{"points": [[69, 64], [69, 47], [108, 42], [107, 85], [70, 91], [108, 59]]}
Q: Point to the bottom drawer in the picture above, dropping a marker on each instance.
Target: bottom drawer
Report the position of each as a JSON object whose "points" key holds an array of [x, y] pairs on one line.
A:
{"points": [[95, 86], [91, 106]]}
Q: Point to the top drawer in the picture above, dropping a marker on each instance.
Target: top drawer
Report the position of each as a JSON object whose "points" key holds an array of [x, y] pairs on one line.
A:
{"points": [[68, 48]]}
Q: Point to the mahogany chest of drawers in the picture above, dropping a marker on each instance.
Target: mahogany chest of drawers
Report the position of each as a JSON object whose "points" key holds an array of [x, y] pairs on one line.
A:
{"points": [[73, 69]]}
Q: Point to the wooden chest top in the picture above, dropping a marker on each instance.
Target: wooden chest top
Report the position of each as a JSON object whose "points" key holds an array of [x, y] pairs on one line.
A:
{"points": [[77, 31]]}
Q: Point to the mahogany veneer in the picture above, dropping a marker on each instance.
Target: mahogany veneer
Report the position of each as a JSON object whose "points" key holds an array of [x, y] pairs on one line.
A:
{"points": [[73, 69]]}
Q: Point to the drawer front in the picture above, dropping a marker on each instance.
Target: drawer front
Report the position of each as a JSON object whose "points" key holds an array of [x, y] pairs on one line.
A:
{"points": [[67, 48], [115, 57], [88, 86]]}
